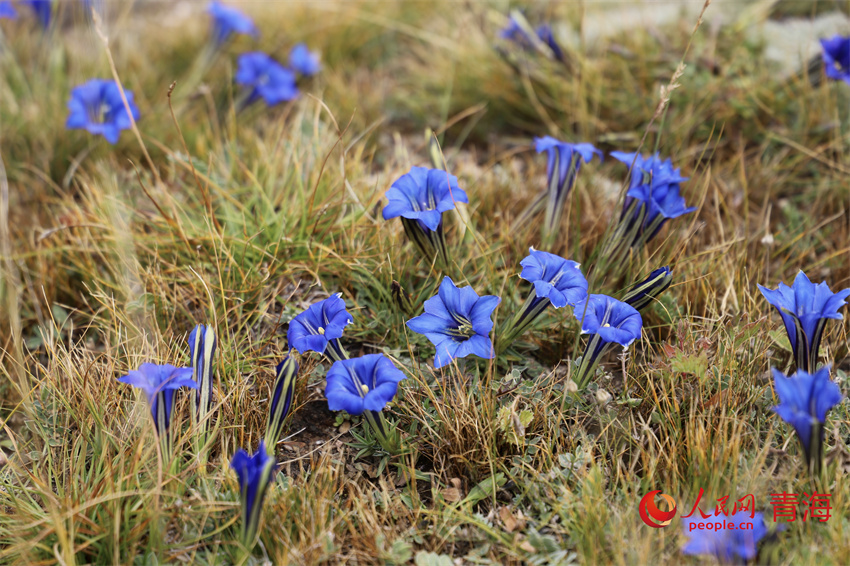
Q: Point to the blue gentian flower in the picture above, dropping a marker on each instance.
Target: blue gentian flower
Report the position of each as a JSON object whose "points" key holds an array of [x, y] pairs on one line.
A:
{"points": [[609, 321], [303, 61], [458, 322], [420, 198], [557, 282], [159, 383], [424, 195], [804, 400], [653, 196], [43, 10], [544, 32], [202, 345], [281, 399], [517, 31], [562, 167], [364, 386], [555, 278], [361, 384], [520, 32], [7, 10], [322, 324], [836, 58], [227, 21], [97, 106], [254, 473], [728, 545], [613, 320], [266, 78], [641, 294], [805, 307]]}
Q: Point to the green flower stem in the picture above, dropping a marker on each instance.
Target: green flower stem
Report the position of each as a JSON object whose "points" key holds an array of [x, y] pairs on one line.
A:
{"points": [[387, 435], [814, 455], [589, 361], [623, 239], [556, 198], [522, 321], [335, 351], [163, 432]]}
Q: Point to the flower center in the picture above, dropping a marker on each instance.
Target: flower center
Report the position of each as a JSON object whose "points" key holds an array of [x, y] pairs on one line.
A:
{"points": [[554, 280], [321, 330], [98, 112], [364, 388], [606, 325], [838, 66], [463, 330]]}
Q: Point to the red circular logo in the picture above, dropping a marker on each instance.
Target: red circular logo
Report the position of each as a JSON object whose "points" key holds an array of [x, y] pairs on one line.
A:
{"points": [[652, 515]]}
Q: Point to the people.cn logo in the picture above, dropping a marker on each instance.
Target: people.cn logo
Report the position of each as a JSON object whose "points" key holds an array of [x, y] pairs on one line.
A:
{"points": [[652, 515]]}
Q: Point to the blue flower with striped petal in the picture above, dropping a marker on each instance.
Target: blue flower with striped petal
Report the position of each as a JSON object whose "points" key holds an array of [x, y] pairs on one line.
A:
{"points": [[458, 322], [805, 308]]}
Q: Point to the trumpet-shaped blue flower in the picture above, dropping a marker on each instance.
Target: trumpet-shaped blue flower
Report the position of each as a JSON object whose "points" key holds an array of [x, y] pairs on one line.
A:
{"points": [[805, 308], [361, 384], [557, 282], [227, 21], [321, 324], [282, 394], [555, 278], [303, 61], [423, 195], [202, 345], [836, 57], [612, 320], [609, 321], [43, 10], [519, 31], [544, 32], [420, 197], [255, 473], [159, 383], [97, 106], [729, 545], [266, 78], [563, 163], [641, 294], [7, 10], [654, 192], [804, 400], [458, 322], [564, 160]]}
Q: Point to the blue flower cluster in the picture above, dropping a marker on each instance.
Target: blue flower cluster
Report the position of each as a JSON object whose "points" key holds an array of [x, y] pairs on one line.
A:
{"points": [[458, 321], [541, 39], [805, 398], [807, 395], [103, 107], [261, 75]]}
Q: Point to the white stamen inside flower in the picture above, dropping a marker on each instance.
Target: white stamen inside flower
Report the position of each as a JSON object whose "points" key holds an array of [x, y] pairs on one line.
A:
{"points": [[364, 388], [321, 330], [606, 325]]}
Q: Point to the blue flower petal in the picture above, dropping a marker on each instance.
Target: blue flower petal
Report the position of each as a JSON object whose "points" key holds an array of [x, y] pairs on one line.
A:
{"points": [[376, 384]]}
